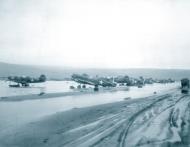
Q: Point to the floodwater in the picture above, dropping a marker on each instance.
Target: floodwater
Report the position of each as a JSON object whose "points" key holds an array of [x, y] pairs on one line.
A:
{"points": [[48, 87], [17, 113]]}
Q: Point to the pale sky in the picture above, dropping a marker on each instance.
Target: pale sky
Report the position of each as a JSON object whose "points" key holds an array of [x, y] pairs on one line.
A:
{"points": [[96, 33]]}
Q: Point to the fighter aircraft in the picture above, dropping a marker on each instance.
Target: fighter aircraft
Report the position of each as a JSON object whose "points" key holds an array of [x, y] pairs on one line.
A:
{"points": [[24, 81], [85, 79]]}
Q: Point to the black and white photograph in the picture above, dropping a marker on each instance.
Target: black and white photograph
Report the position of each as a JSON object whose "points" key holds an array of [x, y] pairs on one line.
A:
{"points": [[94, 73]]}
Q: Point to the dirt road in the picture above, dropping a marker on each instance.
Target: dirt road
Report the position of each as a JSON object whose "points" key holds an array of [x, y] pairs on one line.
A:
{"points": [[159, 121]]}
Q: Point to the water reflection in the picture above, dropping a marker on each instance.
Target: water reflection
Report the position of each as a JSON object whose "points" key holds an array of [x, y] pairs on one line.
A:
{"points": [[47, 87], [16, 113]]}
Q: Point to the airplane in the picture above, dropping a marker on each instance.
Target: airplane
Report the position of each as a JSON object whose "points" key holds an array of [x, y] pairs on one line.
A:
{"points": [[23, 81], [85, 79]]}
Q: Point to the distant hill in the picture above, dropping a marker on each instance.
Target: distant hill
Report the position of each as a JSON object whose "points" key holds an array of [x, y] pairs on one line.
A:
{"points": [[7, 69], [61, 73]]}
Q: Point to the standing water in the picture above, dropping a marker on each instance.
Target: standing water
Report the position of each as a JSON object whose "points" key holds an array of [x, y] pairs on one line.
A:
{"points": [[16, 113]]}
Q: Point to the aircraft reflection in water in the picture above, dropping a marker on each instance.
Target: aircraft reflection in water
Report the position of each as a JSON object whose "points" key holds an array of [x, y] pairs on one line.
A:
{"points": [[23, 81]]}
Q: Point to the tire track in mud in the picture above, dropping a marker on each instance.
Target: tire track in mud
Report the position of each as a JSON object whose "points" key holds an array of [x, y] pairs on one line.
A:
{"points": [[107, 125], [139, 113], [127, 120], [104, 129], [107, 128], [119, 124]]}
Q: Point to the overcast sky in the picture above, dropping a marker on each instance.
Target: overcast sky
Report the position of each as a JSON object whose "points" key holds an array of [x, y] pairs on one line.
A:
{"points": [[96, 33]]}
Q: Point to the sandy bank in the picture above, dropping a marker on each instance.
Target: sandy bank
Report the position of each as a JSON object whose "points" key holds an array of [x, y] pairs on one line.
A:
{"points": [[42, 96]]}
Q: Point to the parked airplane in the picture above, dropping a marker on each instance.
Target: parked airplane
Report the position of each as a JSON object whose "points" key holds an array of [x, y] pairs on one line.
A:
{"points": [[23, 81], [85, 79]]}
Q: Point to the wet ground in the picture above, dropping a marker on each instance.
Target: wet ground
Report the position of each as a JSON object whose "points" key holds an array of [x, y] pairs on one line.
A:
{"points": [[156, 121], [18, 112]]}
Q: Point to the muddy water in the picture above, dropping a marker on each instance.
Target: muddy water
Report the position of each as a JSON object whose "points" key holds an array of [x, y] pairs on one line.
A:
{"points": [[48, 87], [16, 113]]}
